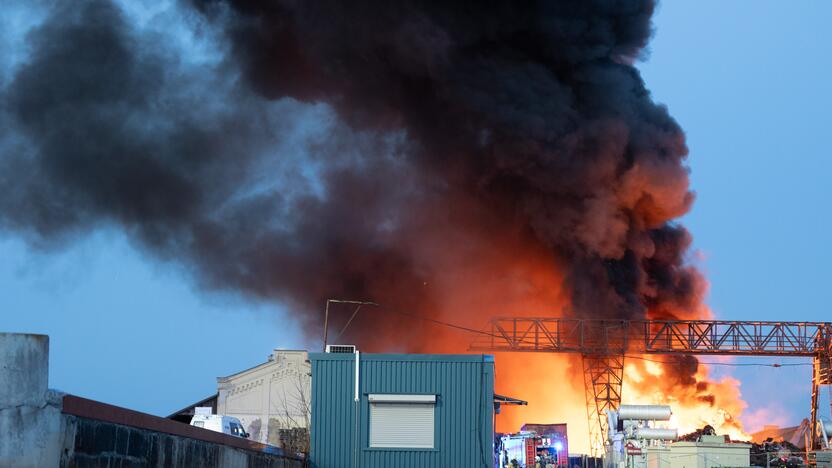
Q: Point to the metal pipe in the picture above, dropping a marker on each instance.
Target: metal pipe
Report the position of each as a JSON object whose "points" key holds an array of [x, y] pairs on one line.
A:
{"points": [[356, 432], [825, 429], [612, 423], [645, 412], [655, 433], [357, 358], [326, 322]]}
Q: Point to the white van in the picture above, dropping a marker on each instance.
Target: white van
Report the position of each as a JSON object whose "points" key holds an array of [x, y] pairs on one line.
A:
{"points": [[219, 423]]}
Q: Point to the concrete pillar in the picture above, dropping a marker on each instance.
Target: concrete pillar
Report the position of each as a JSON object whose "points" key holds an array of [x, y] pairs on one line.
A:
{"points": [[24, 369], [31, 428]]}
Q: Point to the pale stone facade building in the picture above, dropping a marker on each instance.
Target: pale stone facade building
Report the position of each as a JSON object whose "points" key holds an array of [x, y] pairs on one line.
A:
{"points": [[272, 400]]}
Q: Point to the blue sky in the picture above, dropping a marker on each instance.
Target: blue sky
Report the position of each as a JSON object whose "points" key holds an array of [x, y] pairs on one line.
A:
{"points": [[749, 82]]}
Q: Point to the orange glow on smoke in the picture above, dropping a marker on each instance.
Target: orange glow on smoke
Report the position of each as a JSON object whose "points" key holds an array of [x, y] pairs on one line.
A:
{"points": [[704, 402], [506, 274], [553, 386]]}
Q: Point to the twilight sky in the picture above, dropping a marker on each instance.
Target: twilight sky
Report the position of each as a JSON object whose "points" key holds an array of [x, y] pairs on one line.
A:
{"points": [[751, 93]]}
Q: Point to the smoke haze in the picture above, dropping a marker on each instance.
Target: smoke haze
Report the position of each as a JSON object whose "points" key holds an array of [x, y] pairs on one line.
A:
{"points": [[436, 157], [450, 160]]}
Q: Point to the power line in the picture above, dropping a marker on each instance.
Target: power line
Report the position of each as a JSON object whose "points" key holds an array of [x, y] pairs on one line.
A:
{"points": [[446, 324], [731, 364]]}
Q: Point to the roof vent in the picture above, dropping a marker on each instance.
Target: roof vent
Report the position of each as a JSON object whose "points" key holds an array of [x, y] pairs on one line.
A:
{"points": [[345, 349]]}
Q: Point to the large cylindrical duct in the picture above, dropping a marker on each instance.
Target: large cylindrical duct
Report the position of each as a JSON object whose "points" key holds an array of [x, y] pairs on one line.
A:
{"points": [[645, 412], [827, 426], [654, 433]]}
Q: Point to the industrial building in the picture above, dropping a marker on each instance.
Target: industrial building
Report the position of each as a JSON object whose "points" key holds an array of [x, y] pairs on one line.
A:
{"points": [[270, 399], [402, 410], [639, 438], [708, 452]]}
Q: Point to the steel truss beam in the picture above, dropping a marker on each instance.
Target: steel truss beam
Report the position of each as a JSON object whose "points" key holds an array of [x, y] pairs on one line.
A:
{"points": [[603, 344], [603, 378]]}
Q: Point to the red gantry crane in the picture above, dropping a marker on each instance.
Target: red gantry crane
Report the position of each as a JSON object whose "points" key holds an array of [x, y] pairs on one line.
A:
{"points": [[603, 344]]}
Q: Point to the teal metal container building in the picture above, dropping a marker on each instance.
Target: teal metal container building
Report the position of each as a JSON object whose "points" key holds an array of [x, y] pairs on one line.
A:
{"points": [[407, 410]]}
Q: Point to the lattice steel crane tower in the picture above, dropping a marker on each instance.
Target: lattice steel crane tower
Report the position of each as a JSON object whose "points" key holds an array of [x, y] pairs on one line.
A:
{"points": [[603, 344]]}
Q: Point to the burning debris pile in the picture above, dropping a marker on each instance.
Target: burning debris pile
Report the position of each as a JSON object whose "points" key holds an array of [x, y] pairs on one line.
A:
{"points": [[440, 158], [783, 453]]}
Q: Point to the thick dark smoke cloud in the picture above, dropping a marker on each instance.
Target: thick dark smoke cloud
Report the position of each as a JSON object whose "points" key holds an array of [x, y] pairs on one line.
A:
{"points": [[469, 117], [533, 109]]}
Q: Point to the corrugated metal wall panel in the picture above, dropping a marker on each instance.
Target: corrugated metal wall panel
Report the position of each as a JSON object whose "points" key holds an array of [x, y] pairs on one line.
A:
{"points": [[464, 385], [332, 412]]}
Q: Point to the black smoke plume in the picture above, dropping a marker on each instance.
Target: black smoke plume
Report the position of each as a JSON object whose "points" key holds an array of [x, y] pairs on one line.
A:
{"points": [[347, 149]]}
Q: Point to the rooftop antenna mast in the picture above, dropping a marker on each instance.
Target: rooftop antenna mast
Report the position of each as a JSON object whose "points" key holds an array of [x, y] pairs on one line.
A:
{"points": [[341, 301]]}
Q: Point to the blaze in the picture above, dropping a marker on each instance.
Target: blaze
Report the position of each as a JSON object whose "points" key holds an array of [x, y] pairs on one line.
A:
{"points": [[553, 386], [450, 166], [511, 276], [696, 403]]}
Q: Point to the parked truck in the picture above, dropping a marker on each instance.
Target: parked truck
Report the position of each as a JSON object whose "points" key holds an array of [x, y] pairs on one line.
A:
{"points": [[204, 418]]}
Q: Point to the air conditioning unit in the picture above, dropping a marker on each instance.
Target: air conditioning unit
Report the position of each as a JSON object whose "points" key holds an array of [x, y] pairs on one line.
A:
{"points": [[340, 348]]}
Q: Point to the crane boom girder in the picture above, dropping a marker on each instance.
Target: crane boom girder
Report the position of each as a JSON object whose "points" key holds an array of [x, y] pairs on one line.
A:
{"points": [[603, 344], [608, 336]]}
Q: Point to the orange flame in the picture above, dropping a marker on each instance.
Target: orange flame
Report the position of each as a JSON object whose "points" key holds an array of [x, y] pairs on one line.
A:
{"points": [[554, 388], [510, 276], [694, 405]]}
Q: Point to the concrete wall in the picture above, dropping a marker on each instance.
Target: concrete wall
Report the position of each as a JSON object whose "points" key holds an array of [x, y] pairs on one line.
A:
{"points": [[40, 428], [657, 457], [709, 455], [94, 443], [31, 428], [823, 459]]}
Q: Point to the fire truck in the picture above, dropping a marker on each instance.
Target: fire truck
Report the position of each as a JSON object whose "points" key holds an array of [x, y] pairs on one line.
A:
{"points": [[545, 444]]}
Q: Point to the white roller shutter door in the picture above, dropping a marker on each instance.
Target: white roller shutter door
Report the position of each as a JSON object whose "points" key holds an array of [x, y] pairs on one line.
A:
{"points": [[402, 421]]}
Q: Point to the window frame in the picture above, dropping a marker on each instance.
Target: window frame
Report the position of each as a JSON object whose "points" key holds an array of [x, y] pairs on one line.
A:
{"points": [[429, 399]]}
